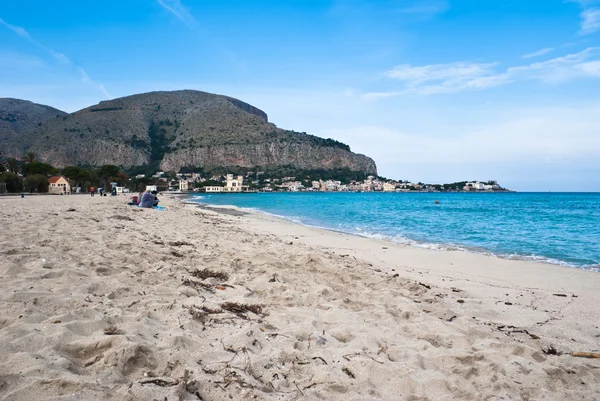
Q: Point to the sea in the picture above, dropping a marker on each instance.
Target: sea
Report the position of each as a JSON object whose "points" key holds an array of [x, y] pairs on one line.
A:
{"points": [[557, 228]]}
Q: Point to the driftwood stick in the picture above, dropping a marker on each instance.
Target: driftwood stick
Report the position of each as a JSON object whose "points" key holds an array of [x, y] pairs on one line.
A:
{"points": [[183, 386], [586, 355]]}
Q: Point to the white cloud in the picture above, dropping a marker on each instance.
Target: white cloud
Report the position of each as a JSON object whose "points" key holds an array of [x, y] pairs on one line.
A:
{"points": [[457, 77], [176, 8], [538, 53], [56, 55], [590, 16], [590, 20], [529, 143]]}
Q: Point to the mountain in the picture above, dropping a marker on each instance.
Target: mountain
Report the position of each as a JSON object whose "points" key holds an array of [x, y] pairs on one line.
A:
{"points": [[18, 119], [171, 130]]}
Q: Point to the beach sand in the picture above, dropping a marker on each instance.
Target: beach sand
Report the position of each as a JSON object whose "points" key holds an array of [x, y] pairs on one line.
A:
{"points": [[100, 301]]}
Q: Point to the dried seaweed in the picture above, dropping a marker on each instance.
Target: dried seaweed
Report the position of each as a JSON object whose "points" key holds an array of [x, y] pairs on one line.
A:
{"points": [[180, 243], [240, 309], [112, 331], [348, 372], [551, 351], [200, 312], [207, 273], [198, 284]]}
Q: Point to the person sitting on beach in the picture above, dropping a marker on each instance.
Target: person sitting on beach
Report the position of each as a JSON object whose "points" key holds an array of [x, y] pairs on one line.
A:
{"points": [[149, 199]]}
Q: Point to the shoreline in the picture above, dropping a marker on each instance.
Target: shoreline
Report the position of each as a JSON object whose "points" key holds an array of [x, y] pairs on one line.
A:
{"points": [[442, 247], [104, 301]]}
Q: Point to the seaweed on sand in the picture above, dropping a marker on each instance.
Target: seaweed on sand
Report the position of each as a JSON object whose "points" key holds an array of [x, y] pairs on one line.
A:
{"points": [[207, 273], [240, 309]]}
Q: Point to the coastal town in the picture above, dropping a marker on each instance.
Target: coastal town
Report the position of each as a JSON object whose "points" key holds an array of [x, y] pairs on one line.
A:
{"points": [[230, 183], [33, 176]]}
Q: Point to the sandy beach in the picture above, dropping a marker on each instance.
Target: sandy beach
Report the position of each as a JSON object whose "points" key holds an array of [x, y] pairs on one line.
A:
{"points": [[102, 301]]}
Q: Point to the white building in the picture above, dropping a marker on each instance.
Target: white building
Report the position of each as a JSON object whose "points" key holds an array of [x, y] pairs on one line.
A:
{"points": [[234, 184], [389, 187], [183, 185]]}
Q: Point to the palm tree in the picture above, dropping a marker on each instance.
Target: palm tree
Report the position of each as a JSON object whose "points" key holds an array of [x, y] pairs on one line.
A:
{"points": [[30, 157], [12, 165]]}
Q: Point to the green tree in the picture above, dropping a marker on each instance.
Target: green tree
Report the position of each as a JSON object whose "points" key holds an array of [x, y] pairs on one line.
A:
{"points": [[2, 168], [38, 168], [29, 157], [107, 172], [36, 183], [13, 182], [13, 165], [72, 172]]}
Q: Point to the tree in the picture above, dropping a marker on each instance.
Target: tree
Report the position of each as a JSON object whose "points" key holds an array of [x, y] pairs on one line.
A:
{"points": [[38, 168], [13, 182], [37, 183], [2, 168], [72, 172], [13, 165], [29, 157], [106, 172]]}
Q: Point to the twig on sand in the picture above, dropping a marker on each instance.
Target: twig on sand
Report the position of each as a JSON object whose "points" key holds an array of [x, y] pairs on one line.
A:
{"points": [[348, 372], [586, 355], [183, 387], [161, 382], [348, 356]]}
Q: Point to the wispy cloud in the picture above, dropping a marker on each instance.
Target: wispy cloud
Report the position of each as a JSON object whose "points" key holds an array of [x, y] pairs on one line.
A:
{"points": [[457, 77], [590, 16], [538, 53], [590, 20], [25, 35], [85, 78], [176, 8]]}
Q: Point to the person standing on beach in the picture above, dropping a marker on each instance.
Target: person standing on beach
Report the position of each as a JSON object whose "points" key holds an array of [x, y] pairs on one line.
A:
{"points": [[92, 190]]}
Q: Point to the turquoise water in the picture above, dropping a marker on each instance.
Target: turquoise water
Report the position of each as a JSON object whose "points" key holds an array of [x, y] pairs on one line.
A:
{"points": [[561, 228]]}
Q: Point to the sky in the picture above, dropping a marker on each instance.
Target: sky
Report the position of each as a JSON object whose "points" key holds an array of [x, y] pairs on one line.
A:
{"points": [[434, 91]]}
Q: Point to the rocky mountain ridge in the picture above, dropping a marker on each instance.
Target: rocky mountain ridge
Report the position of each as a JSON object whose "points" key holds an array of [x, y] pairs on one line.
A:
{"points": [[171, 130], [18, 119]]}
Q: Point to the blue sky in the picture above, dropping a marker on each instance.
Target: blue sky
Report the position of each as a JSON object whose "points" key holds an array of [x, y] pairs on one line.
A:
{"points": [[433, 90]]}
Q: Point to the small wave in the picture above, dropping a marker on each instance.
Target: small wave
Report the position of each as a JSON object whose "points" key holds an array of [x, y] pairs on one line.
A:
{"points": [[361, 232]]}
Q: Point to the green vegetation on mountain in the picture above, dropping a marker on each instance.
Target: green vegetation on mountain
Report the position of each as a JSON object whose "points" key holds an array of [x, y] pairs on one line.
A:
{"points": [[173, 130]]}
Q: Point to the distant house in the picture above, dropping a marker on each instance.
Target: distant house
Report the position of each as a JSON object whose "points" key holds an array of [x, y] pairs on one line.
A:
{"points": [[235, 184], [59, 185], [389, 187]]}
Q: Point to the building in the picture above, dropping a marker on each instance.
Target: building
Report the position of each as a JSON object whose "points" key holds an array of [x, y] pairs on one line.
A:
{"points": [[183, 185], [389, 187], [151, 188], [235, 184], [59, 185], [213, 189]]}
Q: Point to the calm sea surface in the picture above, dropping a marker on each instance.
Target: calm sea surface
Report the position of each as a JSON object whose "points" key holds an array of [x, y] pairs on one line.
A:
{"points": [[561, 228]]}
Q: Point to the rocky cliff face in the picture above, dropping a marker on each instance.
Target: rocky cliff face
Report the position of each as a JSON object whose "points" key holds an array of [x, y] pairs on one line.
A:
{"points": [[18, 119], [269, 154], [170, 130]]}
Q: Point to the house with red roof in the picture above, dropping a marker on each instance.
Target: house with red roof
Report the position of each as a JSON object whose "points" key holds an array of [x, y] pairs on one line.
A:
{"points": [[59, 185]]}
